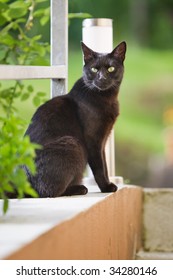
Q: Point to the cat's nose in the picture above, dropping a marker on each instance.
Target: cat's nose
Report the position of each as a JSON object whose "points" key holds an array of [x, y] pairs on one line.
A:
{"points": [[102, 76]]}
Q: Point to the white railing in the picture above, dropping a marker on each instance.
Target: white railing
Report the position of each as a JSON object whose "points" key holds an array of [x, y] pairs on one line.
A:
{"points": [[18, 72], [57, 72]]}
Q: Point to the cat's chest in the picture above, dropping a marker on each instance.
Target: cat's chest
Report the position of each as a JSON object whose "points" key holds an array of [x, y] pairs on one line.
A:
{"points": [[90, 113], [98, 119]]}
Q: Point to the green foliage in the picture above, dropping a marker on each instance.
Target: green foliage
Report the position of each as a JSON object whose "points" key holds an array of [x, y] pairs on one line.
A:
{"points": [[78, 15], [16, 21], [15, 151], [145, 22], [17, 47], [146, 94]]}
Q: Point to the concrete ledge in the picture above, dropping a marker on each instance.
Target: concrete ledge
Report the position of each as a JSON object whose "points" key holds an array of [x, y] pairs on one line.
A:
{"points": [[157, 220], [141, 255], [95, 226]]}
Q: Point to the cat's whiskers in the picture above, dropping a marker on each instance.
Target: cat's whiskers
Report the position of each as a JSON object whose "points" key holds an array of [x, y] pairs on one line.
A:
{"points": [[95, 86]]}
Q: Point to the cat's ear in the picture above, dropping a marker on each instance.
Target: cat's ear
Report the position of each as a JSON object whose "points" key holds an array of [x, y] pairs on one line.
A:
{"points": [[87, 52], [120, 51]]}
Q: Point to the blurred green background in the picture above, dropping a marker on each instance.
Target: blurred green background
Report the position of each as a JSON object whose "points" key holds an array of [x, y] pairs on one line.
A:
{"points": [[146, 95]]}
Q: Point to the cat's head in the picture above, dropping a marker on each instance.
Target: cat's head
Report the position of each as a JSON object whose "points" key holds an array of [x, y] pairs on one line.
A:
{"points": [[103, 71]]}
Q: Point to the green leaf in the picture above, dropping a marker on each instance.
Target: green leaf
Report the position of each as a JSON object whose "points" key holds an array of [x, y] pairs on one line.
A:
{"points": [[42, 61], [9, 188], [5, 205], [44, 20], [78, 15], [41, 94], [6, 29], [7, 40], [3, 6], [19, 5], [3, 52], [11, 59], [36, 38], [40, 1], [30, 88], [2, 20], [4, 1], [31, 192], [39, 13], [36, 101], [24, 96], [17, 13], [21, 86]]}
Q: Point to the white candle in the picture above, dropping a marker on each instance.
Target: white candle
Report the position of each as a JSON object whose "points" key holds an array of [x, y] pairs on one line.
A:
{"points": [[98, 34]]}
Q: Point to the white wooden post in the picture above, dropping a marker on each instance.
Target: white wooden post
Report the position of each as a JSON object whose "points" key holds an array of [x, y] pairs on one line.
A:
{"points": [[59, 43]]}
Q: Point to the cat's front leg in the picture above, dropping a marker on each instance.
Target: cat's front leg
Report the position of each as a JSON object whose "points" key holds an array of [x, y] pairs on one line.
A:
{"points": [[98, 166], [105, 164]]}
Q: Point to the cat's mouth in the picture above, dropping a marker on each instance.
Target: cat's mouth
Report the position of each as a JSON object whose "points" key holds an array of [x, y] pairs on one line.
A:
{"points": [[101, 87]]}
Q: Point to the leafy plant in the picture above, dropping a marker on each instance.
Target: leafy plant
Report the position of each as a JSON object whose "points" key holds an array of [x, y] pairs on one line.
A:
{"points": [[15, 151], [16, 21], [18, 47]]}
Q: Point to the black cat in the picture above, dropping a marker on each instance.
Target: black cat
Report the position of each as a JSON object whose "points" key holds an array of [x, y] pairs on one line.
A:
{"points": [[73, 128]]}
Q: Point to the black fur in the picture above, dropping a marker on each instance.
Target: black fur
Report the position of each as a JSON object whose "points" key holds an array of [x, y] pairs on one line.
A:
{"points": [[73, 128]]}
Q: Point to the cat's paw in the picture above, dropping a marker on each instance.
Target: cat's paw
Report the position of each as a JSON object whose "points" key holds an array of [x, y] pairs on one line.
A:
{"points": [[82, 190], [76, 190], [110, 188]]}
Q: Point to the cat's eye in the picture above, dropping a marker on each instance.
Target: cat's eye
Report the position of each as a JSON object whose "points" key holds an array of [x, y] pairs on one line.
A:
{"points": [[94, 70], [111, 69]]}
